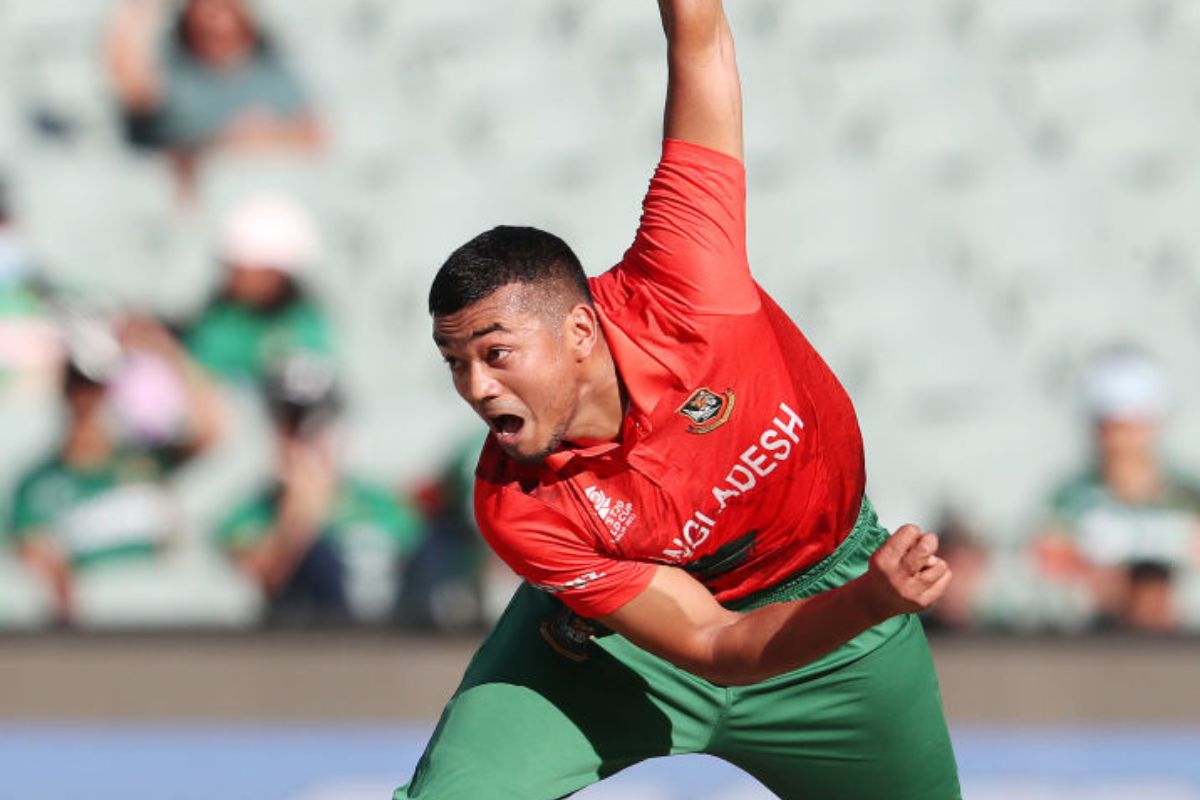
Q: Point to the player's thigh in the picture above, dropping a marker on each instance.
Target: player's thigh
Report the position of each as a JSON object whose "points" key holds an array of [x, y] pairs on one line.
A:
{"points": [[872, 729], [532, 723]]}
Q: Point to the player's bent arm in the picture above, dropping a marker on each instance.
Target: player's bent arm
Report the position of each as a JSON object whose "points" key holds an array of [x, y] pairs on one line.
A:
{"points": [[704, 98], [676, 618]]}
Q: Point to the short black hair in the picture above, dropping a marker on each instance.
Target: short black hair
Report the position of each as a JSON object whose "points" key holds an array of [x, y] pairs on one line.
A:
{"points": [[505, 254]]}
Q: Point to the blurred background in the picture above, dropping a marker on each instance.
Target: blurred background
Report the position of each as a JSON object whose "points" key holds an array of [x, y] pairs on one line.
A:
{"points": [[235, 481]]}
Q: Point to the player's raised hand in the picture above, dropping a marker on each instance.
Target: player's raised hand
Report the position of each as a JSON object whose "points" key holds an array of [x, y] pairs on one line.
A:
{"points": [[905, 574]]}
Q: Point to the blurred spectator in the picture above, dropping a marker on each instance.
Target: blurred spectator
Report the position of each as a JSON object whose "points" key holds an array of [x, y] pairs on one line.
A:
{"points": [[135, 409], [214, 80], [30, 351], [261, 313], [323, 545], [1125, 528], [962, 607], [455, 581]]}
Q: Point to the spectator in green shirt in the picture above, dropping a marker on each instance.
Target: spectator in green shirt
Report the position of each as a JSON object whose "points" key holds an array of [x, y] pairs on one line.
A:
{"points": [[261, 313], [100, 496], [323, 545], [1125, 528]]}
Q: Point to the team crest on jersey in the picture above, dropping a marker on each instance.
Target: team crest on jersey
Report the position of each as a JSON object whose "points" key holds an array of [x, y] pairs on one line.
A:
{"points": [[707, 410]]}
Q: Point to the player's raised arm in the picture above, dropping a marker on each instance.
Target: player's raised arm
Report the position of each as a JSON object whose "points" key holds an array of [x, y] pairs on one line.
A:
{"points": [[704, 97], [676, 618], [690, 248]]}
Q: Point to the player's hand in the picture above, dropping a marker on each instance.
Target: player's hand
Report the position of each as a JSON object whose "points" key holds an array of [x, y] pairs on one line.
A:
{"points": [[905, 574]]}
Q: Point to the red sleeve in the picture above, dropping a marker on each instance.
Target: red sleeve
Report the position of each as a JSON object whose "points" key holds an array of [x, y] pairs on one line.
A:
{"points": [[548, 550], [691, 243]]}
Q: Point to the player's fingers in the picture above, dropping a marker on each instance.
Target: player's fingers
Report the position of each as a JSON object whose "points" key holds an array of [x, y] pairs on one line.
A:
{"points": [[931, 595], [900, 542], [934, 572], [918, 555]]}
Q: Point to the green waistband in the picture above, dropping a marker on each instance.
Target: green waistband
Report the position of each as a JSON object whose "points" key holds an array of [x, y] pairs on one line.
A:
{"points": [[847, 562]]}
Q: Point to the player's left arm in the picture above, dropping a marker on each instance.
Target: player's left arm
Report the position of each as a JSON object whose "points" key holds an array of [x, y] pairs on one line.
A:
{"points": [[704, 97], [676, 617]]}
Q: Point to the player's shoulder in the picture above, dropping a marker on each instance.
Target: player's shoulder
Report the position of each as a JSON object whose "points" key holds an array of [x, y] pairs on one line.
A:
{"points": [[508, 504], [501, 483], [495, 470]]}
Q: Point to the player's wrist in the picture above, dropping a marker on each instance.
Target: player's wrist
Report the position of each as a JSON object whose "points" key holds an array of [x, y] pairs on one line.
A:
{"points": [[864, 603]]}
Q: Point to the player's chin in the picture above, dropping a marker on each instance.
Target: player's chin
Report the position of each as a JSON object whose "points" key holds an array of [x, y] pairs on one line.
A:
{"points": [[525, 456], [525, 448]]}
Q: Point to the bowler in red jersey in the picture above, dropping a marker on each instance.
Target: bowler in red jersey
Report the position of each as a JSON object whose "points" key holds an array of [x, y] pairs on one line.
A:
{"points": [[679, 478]]}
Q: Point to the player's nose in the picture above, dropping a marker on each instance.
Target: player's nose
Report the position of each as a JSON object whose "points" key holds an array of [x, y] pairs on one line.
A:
{"points": [[480, 385]]}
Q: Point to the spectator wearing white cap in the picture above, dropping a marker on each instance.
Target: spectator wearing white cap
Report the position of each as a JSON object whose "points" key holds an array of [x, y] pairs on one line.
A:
{"points": [[1129, 524], [261, 312]]}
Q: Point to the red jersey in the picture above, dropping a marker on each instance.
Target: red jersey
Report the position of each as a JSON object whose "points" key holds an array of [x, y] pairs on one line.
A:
{"points": [[739, 459]]}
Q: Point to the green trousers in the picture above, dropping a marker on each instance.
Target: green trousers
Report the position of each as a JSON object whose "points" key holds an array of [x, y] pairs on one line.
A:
{"points": [[544, 711]]}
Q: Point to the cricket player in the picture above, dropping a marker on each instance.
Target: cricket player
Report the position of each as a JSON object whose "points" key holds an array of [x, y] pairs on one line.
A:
{"points": [[679, 478]]}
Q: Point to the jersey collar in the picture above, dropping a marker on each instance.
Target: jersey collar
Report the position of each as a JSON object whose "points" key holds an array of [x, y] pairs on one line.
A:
{"points": [[634, 427]]}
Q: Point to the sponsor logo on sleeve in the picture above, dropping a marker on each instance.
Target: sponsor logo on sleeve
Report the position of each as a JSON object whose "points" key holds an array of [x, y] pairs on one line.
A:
{"points": [[581, 582], [617, 515]]}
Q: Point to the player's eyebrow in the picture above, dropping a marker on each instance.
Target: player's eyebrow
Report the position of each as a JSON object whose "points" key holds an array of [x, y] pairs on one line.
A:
{"points": [[442, 341], [495, 326]]}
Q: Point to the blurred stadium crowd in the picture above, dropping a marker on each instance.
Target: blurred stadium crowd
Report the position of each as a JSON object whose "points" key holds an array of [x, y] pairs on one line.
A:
{"points": [[218, 220]]}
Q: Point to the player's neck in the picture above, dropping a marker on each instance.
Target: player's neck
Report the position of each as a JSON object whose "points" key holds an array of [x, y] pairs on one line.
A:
{"points": [[601, 406]]}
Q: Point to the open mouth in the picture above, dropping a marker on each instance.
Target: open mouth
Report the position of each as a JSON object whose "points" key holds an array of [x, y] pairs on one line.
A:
{"points": [[507, 427]]}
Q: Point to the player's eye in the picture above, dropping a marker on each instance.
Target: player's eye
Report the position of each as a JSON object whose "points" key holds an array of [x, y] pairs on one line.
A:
{"points": [[496, 354], [452, 362]]}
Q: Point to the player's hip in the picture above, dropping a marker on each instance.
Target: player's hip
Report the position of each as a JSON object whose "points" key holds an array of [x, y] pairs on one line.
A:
{"points": [[849, 560]]}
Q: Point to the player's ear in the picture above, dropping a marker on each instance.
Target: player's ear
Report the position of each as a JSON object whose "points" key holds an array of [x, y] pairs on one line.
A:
{"points": [[581, 329]]}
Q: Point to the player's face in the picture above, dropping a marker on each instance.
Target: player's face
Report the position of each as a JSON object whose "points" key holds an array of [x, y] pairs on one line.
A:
{"points": [[513, 364]]}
